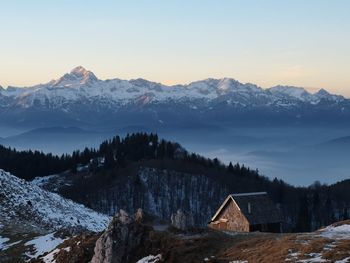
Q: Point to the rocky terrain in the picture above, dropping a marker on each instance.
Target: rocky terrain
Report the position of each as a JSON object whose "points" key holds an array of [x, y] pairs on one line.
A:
{"points": [[28, 204], [56, 237], [34, 221], [129, 240]]}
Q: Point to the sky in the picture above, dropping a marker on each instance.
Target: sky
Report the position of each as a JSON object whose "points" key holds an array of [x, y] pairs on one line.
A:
{"points": [[266, 42]]}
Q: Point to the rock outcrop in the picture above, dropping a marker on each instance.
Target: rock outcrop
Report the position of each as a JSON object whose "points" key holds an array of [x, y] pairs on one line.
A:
{"points": [[122, 238], [182, 220]]}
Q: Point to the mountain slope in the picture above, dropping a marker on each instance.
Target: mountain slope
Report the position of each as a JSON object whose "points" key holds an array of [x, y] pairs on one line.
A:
{"points": [[26, 204]]}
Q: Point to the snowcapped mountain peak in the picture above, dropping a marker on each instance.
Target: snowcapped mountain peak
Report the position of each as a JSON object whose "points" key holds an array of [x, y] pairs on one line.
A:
{"points": [[144, 83], [221, 85], [77, 77], [226, 84], [80, 70], [324, 94], [229, 85], [303, 95], [291, 91]]}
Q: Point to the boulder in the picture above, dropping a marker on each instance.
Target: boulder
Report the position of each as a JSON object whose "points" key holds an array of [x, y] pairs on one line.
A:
{"points": [[122, 237], [182, 220]]}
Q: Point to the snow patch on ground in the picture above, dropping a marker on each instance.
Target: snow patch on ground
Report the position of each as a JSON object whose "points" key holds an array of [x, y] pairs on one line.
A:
{"points": [[50, 258], [4, 245], [42, 244], [292, 256], [332, 238], [345, 260], [150, 259], [336, 232], [42, 181], [3, 241], [7, 246], [314, 257]]}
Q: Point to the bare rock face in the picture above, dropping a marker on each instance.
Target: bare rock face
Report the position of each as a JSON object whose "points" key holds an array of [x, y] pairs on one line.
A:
{"points": [[120, 239], [139, 216], [182, 220]]}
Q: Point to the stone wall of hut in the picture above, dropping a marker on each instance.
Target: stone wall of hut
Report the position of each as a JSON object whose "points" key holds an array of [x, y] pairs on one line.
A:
{"points": [[230, 219]]}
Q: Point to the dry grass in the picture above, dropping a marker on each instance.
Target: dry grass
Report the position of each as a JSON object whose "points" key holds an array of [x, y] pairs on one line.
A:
{"points": [[290, 247], [268, 248], [339, 252], [81, 249], [20, 234]]}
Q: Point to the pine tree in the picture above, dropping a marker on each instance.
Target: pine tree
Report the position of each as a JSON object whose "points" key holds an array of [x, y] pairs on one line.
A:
{"points": [[303, 221], [230, 168]]}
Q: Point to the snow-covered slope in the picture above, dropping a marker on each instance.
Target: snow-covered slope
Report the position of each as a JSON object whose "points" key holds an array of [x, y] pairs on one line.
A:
{"points": [[297, 93], [82, 85], [22, 202], [338, 231]]}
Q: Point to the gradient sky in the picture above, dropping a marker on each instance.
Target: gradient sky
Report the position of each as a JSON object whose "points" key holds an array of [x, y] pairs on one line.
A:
{"points": [[302, 43]]}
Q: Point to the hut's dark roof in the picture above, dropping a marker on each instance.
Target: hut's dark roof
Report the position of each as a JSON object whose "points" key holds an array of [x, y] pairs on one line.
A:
{"points": [[263, 210]]}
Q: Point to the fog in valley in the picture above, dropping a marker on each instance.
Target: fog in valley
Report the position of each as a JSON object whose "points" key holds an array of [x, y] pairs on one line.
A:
{"points": [[297, 155]]}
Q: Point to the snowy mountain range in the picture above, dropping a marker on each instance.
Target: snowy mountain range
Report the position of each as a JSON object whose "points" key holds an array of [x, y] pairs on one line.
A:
{"points": [[69, 99], [81, 84]]}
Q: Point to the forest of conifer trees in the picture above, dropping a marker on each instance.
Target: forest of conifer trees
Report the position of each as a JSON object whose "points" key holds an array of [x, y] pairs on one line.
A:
{"points": [[307, 207]]}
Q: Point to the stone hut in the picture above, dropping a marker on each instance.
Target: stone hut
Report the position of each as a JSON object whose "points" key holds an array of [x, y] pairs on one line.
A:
{"points": [[247, 212]]}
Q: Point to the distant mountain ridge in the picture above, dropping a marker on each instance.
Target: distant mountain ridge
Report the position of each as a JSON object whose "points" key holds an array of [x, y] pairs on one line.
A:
{"points": [[75, 95], [81, 83]]}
